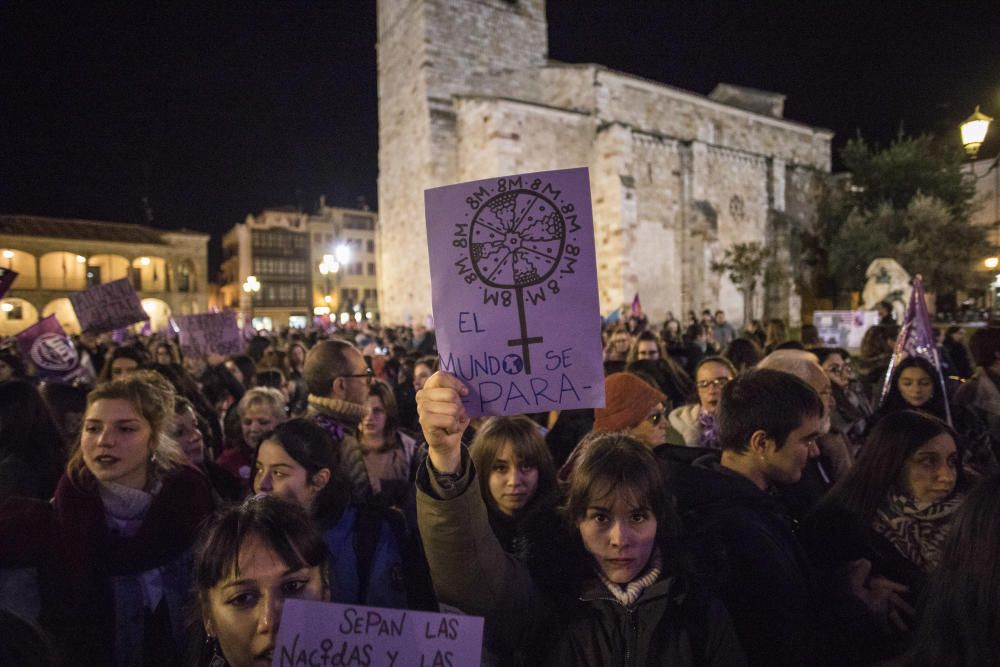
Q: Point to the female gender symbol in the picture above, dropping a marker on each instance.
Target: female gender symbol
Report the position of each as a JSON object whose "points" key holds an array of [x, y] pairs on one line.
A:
{"points": [[516, 241]]}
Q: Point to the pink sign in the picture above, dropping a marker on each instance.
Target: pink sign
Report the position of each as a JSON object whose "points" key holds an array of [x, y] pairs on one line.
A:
{"points": [[514, 288], [108, 307], [51, 351], [326, 633]]}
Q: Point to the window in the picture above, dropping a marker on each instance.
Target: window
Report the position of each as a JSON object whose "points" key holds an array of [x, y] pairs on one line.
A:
{"points": [[371, 268], [371, 246], [15, 312], [93, 276], [358, 222], [135, 277], [317, 238]]}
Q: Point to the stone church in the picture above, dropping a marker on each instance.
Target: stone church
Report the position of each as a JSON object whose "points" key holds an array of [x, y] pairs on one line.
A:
{"points": [[466, 91]]}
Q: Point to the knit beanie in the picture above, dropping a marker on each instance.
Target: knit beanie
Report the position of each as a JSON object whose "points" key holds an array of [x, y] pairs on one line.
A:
{"points": [[627, 401]]}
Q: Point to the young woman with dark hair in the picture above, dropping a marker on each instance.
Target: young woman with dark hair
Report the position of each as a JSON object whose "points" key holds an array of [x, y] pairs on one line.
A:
{"points": [[121, 361], [368, 545], [608, 588], [960, 619], [112, 547], [249, 560], [894, 507], [517, 478], [390, 456], [188, 433]]}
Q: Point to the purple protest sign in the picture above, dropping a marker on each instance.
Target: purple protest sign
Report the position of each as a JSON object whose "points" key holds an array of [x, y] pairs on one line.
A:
{"points": [[51, 351], [107, 307], [514, 288], [206, 333], [326, 633], [6, 280]]}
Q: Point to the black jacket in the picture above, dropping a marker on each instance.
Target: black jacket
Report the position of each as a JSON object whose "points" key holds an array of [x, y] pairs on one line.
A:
{"points": [[747, 550]]}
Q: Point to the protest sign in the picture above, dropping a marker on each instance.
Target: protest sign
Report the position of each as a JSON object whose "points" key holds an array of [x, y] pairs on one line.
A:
{"points": [[514, 289], [6, 280], [51, 351], [200, 335], [108, 307], [843, 328], [326, 633]]}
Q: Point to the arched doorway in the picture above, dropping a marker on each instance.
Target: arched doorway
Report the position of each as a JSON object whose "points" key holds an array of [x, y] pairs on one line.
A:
{"points": [[24, 264], [16, 315], [159, 314], [63, 310], [64, 271]]}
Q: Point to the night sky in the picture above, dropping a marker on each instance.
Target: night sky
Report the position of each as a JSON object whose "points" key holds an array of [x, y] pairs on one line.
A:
{"points": [[210, 113]]}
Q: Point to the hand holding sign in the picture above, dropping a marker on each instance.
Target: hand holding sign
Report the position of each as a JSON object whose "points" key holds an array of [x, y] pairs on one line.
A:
{"points": [[443, 419]]}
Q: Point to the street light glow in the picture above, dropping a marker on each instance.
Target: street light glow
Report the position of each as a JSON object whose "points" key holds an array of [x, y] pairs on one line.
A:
{"points": [[251, 285], [7, 307], [343, 253], [8, 254], [974, 131], [991, 262], [144, 261], [80, 259]]}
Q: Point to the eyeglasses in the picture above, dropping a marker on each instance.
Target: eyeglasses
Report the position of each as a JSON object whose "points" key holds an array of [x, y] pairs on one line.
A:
{"points": [[838, 369], [717, 382], [657, 417], [367, 375]]}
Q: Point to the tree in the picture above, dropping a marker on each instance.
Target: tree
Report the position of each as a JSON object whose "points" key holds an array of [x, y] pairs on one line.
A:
{"points": [[910, 201], [745, 263]]}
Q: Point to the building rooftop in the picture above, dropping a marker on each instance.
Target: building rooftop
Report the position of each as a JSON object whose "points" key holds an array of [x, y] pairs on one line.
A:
{"points": [[87, 230]]}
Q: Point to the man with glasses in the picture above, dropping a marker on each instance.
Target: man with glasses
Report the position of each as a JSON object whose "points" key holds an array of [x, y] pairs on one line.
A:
{"points": [[338, 379]]}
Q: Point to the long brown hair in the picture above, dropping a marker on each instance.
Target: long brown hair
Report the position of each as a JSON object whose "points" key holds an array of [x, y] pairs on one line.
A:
{"points": [[524, 438]]}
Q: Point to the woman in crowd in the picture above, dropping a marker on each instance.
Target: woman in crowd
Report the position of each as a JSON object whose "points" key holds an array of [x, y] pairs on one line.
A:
{"points": [[518, 478], [368, 544], [954, 348], [32, 449], [243, 369], [895, 506], [648, 352], [121, 361], [166, 353], [873, 362], [390, 456], [616, 350], [695, 423], [960, 620], [187, 433], [608, 589], [916, 385], [298, 393], [634, 406], [261, 409], [112, 547], [853, 410], [249, 560], [774, 335]]}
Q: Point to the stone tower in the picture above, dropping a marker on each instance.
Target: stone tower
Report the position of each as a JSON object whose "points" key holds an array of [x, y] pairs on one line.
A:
{"points": [[466, 92], [428, 52]]}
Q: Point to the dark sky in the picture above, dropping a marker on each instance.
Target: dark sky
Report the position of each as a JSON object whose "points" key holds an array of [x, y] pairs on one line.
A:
{"points": [[212, 112]]}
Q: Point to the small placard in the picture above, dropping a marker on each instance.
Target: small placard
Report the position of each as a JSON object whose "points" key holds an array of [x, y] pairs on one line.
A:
{"points": [[48, 347], [108, 307], [203, 334], [326, 633]]}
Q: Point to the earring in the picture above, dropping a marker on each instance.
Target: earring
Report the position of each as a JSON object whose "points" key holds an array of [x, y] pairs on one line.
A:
{"points": [[217, 660]]}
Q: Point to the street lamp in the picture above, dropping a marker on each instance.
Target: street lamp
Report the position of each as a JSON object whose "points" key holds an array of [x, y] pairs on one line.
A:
{"points": [[974, 130], [332, 264], [251, 286]]}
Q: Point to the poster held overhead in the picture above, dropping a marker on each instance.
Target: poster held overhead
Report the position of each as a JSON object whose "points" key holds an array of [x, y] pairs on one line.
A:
{"points": [[514, 290], [203, 334], [48, 347], [108, 307]]}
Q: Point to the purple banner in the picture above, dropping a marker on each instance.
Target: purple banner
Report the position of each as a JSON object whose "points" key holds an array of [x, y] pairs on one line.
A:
{"points": [[107, 307], [48, 347], [514, 288], [200, 335], [6, 280], [326, 633]]}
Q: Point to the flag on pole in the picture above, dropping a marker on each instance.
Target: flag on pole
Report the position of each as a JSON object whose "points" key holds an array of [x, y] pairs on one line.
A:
{"points": [[615, 315], [916, 339], [636, 306]]}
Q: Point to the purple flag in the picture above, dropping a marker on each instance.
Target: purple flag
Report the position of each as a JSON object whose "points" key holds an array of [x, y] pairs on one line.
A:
{"points": [[51, 351], [6, 279], [514, 289], [916, 339], [108, 307]]}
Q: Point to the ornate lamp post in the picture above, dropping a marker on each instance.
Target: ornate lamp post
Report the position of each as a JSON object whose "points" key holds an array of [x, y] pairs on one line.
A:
{"points": [[251, 286], [974, 130], [332, 264]]}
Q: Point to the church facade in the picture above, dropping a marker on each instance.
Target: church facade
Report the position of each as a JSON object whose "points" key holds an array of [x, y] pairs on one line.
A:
{"points": [[466, 91]]}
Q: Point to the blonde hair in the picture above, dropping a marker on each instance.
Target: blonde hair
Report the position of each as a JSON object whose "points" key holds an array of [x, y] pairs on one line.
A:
{"points": [[152, 397], [263, 396]]}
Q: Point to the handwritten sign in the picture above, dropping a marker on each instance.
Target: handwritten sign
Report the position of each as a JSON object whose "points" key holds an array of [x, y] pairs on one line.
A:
{"points": [[514, 289], [6, 280], [325, 633], [206, 333], [108, 307], [51, 351]]}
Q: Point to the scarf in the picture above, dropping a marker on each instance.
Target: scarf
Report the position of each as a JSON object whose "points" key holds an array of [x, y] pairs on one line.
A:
{"points": [[340, 419], [125, 509], [627, 594], [709, 430], [918, 534]]}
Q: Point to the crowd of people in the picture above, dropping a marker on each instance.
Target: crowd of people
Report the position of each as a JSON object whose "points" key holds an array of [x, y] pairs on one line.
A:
{"points": [[740, 499]]}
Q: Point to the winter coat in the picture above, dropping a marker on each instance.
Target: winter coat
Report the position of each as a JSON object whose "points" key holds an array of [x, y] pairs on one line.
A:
{"points": [[981, 395], [745, 542], [88, 577], [532, 615], [684, 420]]}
